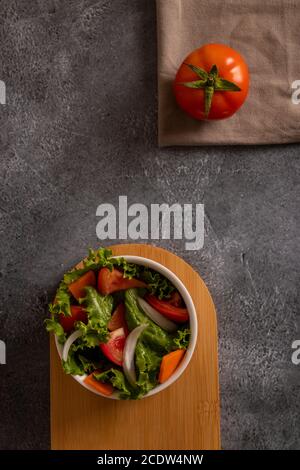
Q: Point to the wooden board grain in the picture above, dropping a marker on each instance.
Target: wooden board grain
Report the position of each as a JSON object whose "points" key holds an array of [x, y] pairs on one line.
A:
{"points": [[184, 416]]}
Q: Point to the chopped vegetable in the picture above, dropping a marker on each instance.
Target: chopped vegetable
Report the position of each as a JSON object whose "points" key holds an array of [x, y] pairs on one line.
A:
{"points": [[169, 364], [157, 317], [53, 325], [62, 303], [157, 284], [182, 339], [113, 281], [73, 365], [129, 353], [158, 339], [176, 314], [99, 309], [77, 314], [104, 388], [175, 299], [73, 337], [117, 379], [118, 319], [83, 359], [147, 362], [77, 288], [114, 347]]}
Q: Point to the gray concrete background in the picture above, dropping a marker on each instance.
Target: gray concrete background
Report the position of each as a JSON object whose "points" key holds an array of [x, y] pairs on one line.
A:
{"points": [[79, 128]]}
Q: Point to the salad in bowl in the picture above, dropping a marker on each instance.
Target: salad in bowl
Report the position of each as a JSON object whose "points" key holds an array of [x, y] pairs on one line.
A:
{"points": [[125, 327]]}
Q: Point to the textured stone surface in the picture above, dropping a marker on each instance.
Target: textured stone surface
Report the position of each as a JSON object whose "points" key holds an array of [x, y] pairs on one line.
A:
{"points": [[79, 128]]}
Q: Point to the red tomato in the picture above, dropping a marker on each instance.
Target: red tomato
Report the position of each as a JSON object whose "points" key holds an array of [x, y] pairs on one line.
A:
{"points": [[112, 281], [176, 314], [175, 299], [118, 320], [77, 314], [113, 349], [208, 77], [77, 288]]}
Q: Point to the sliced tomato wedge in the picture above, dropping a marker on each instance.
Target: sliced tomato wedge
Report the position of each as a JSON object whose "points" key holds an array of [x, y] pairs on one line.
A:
{"points": [[77, 288], [176, 314], [77, 314], [118, 320], [113, 281], [175, 299], [113, 349]]}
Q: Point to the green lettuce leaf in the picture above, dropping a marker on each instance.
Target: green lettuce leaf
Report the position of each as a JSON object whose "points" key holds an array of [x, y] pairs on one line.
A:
{"points": [[153, 344], [147, 362], [156, 337], [158, 285], [83, 359], [95, 260], [182, 338], [102, 258], [73, 364], [53, 325], [99, 309], [118, 381], [130, 270], [62, 301]]}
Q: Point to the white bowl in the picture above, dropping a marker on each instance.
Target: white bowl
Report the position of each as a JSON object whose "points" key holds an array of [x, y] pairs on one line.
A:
{"points": [[193, 326]]}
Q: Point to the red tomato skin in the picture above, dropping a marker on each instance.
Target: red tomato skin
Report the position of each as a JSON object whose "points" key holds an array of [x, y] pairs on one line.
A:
{"points": [[113, 349], [175, 299], [77, 288], [113, 281], [231, 67], [118, 320], [77, 314], [176, 314]]}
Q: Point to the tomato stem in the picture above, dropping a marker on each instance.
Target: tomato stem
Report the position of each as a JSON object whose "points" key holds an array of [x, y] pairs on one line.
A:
{"points": [[209, 93], [210, 82]]}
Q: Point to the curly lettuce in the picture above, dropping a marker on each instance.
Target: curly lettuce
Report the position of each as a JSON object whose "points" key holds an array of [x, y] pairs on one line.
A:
{"points": [[82, 360], [154, 335], [119, 382], [158, 285], [53, 325], [102, 258], [62, 303], [99, 309], [182, 338]]}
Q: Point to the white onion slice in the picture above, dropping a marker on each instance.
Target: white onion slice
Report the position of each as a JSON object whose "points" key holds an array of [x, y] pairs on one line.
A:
{"points": [[69, 343], [157, 317], [129, 353]]}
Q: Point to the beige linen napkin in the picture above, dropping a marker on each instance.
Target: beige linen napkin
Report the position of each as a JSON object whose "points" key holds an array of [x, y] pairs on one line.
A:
{"points": [[267, 34]]}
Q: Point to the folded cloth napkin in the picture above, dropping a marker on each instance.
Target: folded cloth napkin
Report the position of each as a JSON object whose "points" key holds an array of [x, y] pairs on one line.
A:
{"points": [[267, 34]]}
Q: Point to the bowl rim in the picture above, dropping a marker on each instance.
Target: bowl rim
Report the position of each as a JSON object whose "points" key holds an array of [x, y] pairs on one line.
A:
{"points": [[171, 276]]}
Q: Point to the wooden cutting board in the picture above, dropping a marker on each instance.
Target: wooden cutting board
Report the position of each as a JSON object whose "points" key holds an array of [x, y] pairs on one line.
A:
{"points": [[184, 416]]}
